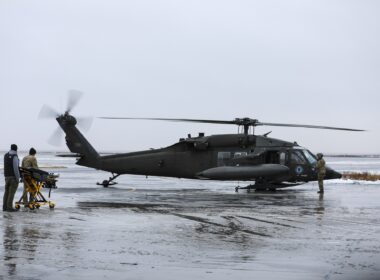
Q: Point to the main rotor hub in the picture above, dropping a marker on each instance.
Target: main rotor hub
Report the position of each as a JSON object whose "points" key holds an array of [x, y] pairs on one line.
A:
{"points": [[246, 123]]}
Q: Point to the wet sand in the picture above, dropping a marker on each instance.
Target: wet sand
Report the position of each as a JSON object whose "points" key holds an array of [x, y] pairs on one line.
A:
{"points": [[160, 228]]}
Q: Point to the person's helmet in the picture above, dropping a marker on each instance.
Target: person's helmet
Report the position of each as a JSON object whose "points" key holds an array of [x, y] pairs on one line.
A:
{"points": [[320, 155]]}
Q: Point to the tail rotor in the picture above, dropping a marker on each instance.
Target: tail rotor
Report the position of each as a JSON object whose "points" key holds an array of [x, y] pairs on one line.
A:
{"points": [[74, 96], [56, 138], [47, 112]]}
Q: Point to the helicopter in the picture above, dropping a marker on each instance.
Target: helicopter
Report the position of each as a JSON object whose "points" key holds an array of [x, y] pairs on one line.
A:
{"points": [[268, 162]]}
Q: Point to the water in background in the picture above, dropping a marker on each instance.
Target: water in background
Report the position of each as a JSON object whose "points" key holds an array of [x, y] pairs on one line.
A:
{"points": [[45, 160], [72, 175], [355, 164]]}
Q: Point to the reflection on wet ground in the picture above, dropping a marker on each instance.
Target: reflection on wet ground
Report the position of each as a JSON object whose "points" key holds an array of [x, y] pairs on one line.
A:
{"points": [[188, 230]]}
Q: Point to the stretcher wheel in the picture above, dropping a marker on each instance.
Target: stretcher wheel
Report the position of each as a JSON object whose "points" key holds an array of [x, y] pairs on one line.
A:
{"points": [[51, 205], [17, 206], [38, 206], [31, 206]]}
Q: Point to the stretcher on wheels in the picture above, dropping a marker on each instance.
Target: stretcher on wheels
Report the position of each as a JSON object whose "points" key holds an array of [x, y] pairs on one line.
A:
{"points": [[34, 181]]}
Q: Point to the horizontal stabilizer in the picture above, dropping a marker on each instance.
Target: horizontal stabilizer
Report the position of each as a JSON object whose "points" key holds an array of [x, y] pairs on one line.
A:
{"points": [[68, 155], [74, 155]]}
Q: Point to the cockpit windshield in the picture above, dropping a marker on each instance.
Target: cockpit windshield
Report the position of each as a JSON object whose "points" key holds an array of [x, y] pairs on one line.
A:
{"points": [[309, 156], [296, 157]]}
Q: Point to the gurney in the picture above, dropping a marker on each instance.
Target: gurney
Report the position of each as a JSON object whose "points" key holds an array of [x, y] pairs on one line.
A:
{"points": [[34, 181]]}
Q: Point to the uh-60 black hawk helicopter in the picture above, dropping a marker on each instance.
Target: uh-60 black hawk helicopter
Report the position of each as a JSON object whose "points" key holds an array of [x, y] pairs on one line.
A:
{"points": [[269, 163]]}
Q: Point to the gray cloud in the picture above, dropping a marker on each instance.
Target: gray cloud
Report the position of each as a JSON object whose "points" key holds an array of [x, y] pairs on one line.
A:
{"points": [[315, 62]]}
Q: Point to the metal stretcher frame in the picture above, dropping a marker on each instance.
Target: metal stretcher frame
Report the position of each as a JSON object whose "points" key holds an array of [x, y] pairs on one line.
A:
{"points": [[34, 181]]}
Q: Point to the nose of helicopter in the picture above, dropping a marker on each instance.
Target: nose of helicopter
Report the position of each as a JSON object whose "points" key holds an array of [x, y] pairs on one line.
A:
{"points": [[332, 174]]}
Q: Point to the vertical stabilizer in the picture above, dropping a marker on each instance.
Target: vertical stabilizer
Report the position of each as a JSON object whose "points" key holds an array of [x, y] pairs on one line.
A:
{"points": [[77, 143]]}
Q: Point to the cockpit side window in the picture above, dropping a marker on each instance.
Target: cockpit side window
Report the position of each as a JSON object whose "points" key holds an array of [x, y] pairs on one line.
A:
{"points": [[297, 157]]}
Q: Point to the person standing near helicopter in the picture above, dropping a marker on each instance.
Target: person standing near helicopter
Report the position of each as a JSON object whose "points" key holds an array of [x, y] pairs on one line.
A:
{"points": [[29, 161], [12, 178], [321, 171]]}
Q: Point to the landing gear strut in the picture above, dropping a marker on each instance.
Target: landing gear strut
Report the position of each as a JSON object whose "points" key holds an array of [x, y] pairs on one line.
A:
{"points": [[248, 188], [109, 182], [258, 186]]}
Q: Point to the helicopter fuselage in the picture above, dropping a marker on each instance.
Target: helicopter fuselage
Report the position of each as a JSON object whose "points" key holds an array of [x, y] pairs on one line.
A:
{"points": [[240, 157], [221, 157]]}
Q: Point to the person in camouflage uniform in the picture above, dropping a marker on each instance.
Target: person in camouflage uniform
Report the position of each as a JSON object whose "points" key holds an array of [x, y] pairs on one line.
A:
{"points": [[29, 161], [321, 169]]}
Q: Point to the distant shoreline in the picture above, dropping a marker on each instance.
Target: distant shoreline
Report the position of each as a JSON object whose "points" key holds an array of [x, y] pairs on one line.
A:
{"points": [[47, 167], [353, 156], [363, 176]]}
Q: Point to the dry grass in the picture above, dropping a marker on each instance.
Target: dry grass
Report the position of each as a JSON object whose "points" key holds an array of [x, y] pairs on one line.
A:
{"points": [[365, 176]]}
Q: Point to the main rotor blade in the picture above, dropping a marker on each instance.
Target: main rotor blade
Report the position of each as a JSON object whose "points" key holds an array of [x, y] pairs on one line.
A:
{"points": [[308, 126], [47, 113], [171, 120], [56, 138], [242, 121], [73, 99]]}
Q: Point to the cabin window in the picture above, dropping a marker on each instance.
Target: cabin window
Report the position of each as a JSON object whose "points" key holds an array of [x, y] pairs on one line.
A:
{"points": [[223, 158], [282, 158], [272, 157], [240, 154], [297, 157]]}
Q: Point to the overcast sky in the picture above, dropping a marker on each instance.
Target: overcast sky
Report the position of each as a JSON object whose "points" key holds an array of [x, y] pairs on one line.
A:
{"points": [[312, 62]]}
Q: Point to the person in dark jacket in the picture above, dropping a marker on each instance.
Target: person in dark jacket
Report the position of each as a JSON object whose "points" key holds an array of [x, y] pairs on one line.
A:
{"points": [[12, 178]]}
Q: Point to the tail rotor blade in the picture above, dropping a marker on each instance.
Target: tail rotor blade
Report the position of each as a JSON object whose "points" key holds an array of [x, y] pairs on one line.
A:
{"points": [[85, 123], [73, 99], [74, 96], [47, 113], [56, 138]]}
